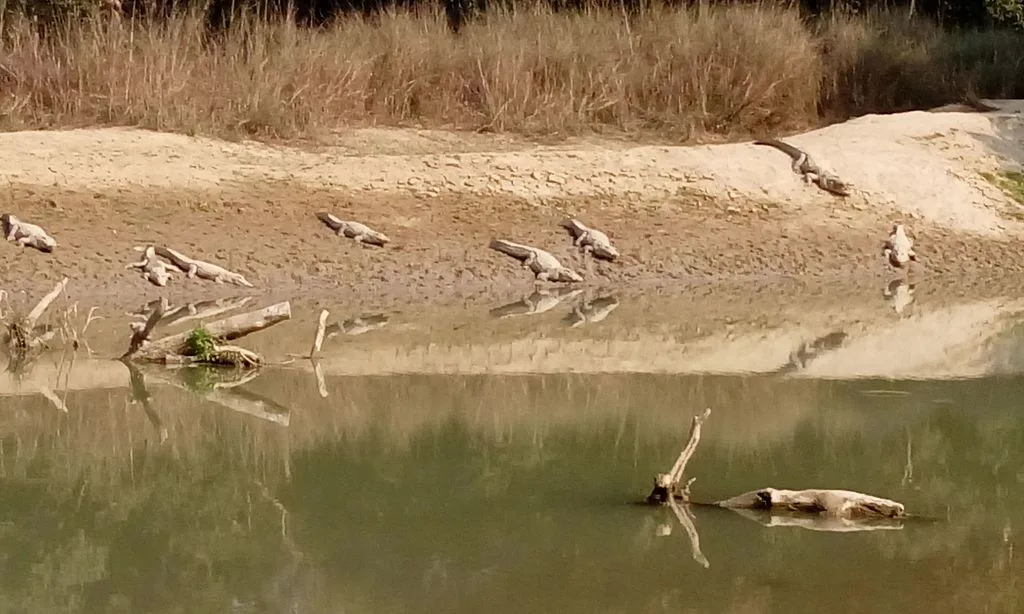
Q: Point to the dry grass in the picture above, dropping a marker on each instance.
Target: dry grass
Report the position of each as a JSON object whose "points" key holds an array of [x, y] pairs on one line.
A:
{"points": [[727, 71]]}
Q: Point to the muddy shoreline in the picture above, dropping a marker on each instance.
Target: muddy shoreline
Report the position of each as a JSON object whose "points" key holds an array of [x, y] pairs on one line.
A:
{"points": [[270, 234]]}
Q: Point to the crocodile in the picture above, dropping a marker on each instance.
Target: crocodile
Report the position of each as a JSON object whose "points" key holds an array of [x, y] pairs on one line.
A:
{"points": [[590, 240], [899, 248], [204, 270], [26, 235], [154, 270], [803, 165], [545, 267], [363, 234]]}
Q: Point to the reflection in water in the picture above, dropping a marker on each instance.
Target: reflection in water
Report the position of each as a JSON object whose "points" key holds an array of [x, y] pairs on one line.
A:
{"points": [[140, 394], [502, 493], [807, 352], [900, 294], [776, 518], [542, 299], [591, 312], [357, 325], [282, 490]]}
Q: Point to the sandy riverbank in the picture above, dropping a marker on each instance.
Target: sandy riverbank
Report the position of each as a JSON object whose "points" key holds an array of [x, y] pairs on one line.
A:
{"points": [[680, 215]]}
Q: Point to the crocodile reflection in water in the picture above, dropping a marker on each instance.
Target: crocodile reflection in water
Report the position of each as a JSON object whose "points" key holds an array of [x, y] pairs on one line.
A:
{"points": [[591, 312], [543, 299], [900, 294], [807, 352], [357, 325]]}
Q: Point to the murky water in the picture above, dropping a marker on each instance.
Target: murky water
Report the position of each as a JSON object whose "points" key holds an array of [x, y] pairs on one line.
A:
{"points": [[473, 490]]}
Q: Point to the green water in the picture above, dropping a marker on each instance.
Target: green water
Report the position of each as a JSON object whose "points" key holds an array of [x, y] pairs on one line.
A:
{"points": [[421, 493]]}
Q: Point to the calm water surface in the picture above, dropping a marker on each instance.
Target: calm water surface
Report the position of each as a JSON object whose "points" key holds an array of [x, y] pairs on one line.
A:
{"points": [[504, 493]]}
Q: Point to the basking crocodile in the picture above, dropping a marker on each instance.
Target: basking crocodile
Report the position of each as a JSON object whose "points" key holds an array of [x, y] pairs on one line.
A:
{"points": [[204, 270], [363, 234], [26, 235], [803, 165], [545, 267], [899, 248], [153, 269], [590, 240]]}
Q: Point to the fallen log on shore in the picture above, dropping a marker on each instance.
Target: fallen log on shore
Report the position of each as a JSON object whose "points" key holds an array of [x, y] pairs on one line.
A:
{"points": [[204, 344]]}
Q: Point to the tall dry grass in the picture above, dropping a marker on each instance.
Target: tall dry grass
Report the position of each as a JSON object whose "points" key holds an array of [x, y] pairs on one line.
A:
{"points": [[729, 70]]}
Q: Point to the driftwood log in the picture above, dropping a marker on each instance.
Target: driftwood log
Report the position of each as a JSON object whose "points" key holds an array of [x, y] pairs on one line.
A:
{"points": [[175, 348]]}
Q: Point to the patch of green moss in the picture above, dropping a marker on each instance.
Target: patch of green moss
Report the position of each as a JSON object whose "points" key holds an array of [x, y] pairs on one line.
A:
{"points": [[1012, 184]]}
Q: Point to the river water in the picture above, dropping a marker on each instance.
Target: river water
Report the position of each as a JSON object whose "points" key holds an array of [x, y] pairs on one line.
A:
{"points": [[487, 488]]}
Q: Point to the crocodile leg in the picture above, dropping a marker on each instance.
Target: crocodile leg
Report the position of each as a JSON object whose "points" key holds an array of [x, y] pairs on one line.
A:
{"points": [[192, 271], [798, 163], [530, 261]]}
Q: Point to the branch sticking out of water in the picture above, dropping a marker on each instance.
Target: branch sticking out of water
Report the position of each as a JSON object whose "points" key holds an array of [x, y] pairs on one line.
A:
{"points": [[141, 332], [23, 338], [44, 304], [666, 485], [321, 328]]}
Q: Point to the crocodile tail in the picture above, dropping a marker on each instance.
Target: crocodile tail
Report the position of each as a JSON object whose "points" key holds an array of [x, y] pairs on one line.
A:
{"points": [[786, 148], [326, 218]]}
